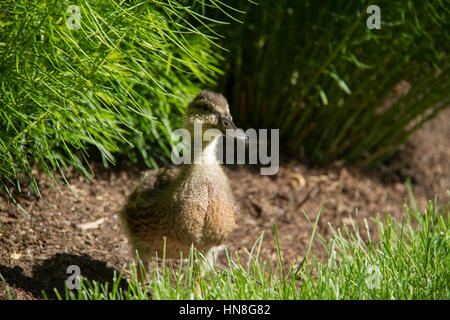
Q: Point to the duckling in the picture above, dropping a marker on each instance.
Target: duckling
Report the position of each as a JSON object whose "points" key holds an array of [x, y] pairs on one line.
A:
{"points": [[189, 204]]}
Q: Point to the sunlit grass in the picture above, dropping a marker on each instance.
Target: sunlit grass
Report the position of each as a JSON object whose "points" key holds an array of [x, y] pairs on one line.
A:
{"points": [[117, 84]]}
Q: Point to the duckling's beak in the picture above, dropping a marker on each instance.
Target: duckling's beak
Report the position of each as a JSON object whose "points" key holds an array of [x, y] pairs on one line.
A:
{"points": [[225, 122]]}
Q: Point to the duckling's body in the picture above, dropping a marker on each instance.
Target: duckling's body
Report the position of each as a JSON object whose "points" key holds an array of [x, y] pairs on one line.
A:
{"points": [[190, 204]]}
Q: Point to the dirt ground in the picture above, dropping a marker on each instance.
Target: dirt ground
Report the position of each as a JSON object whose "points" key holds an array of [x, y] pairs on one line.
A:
{"points": [[36, 251]]}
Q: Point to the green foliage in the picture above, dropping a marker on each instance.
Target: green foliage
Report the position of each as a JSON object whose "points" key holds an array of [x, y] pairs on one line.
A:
{"points": [[120, 81], [406, 259], [331, 85]]}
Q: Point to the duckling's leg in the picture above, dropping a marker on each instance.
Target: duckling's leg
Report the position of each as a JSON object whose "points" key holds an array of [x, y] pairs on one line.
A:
{"points": [[142, 256], [206, 266], [212, 255]]}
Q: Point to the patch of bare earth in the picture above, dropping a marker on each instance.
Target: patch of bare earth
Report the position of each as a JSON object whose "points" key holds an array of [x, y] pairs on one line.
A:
{"points": [[82, 228]]}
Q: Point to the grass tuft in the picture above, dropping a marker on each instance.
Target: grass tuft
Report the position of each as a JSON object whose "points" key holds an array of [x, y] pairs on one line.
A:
{"points": [[336, 89], [116, 84]]}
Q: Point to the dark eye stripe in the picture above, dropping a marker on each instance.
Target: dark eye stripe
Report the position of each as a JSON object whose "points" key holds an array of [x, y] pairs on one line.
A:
{"points": [[201, 106]]}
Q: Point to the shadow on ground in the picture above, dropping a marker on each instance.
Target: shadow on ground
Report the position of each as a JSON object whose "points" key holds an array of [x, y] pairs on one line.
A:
{"points": [[51, 274]]}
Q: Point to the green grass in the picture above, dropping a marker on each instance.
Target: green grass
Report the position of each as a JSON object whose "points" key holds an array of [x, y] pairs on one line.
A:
{"points": [[410, 260], [116, 86]]}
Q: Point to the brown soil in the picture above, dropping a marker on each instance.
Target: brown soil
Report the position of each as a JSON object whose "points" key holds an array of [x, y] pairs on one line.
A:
{"points": [[36, 251]]}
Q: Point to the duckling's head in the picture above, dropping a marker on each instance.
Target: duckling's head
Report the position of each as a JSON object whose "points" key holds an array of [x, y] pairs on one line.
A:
{"points": [[211, 111]]}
